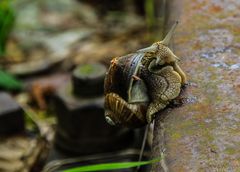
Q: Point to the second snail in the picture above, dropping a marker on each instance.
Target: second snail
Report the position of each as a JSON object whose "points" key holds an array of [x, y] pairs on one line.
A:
{"points": [[139, 85]]}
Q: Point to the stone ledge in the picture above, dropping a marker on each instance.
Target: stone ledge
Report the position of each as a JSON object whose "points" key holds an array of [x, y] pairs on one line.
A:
{"points": [[204, 135]]}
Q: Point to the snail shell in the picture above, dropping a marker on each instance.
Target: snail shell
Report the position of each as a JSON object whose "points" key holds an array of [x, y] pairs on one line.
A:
{"points": [[117, 97], [121, 112]]}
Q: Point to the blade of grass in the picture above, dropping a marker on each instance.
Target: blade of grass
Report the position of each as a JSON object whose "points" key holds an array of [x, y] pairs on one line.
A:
{"points": [[9, 82], [112, 166]]}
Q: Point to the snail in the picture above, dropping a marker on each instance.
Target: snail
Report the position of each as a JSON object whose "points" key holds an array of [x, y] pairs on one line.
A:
{"points": [[139, 85]]}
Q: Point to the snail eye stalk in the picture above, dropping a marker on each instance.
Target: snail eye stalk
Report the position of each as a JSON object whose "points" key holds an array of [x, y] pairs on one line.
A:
{"points": [[165, 41], [168, 37]]}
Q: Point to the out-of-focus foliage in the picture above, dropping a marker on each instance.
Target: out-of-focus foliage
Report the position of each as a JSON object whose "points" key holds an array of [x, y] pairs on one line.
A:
{"points": [[8, 82], [6, 23], [149, 8]]}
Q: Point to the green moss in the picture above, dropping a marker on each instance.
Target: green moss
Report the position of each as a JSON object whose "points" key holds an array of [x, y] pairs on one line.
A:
{"points": [[176, 135], [230, 151], [238, 115], [208, 136], [236, 38], [86, 69], [89, 70]]}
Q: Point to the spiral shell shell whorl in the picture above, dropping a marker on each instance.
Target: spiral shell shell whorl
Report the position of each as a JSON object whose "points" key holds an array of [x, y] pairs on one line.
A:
{"points": [[118, 93]]}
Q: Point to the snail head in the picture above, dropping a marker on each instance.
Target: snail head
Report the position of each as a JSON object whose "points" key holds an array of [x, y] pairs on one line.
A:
{"points": [[162, 52]]}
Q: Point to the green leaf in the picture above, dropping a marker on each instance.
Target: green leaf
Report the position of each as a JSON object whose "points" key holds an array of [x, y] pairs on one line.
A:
{"points": [[8, 82], [7, 17], [112, 166]]}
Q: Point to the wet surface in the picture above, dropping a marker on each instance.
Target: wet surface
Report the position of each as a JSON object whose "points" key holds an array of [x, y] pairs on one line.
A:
{"points": [[205, 135]]}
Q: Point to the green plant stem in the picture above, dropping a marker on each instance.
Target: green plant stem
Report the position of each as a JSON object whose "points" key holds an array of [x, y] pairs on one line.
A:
{"points": [[150, 16], [6, 23]]}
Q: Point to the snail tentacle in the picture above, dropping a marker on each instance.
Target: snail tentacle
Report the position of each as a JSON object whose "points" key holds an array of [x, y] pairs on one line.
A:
{"points": [[168, 37], [180, 72]]}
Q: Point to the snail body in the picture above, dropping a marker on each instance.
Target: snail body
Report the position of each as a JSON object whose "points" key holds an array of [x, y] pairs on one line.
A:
{"points": [[139, 85]]}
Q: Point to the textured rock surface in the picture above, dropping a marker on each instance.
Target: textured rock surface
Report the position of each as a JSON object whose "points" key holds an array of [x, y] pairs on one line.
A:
{"points": [[204, 134]]}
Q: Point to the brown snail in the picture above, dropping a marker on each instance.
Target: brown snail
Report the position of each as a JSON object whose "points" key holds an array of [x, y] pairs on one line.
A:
{"points": [[139, 85]]}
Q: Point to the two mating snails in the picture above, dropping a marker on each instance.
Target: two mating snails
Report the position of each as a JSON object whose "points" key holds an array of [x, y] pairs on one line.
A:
{"points": [[139, 85]]}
